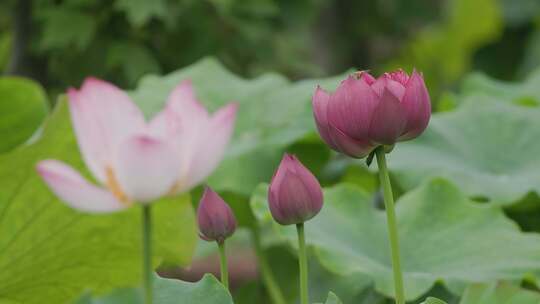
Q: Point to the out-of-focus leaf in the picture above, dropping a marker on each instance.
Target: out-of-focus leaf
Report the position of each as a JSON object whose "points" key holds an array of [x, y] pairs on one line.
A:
{"points": [[444, 237], [432, 300], [531, 60], [333, 299], [64, 28], [444, 52], [52, 252], [117, 296], [23, 105], [206, 291], [132, 59], [518, 12], [518, 92], [5, 49], [489, 149], [353, 288], [167, 291], [139, 12], [499, 293], [273, 113]]}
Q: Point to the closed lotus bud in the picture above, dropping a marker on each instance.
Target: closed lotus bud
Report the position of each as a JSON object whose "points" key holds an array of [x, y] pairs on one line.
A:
{"points": [[364, 112], [295, 195], [215, 218]]}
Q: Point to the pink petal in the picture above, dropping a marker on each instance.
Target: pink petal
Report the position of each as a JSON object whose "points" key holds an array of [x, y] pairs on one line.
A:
{"points": [[351, 107], [167, 126], [388, 120], [146, 168], [386, 81], [75, 191], [417, 105], [275, 182], [182, 119], [215, 218], [367, 78], [295, 201], [399, 76], [320, 110], [310, 182], [209, 146], [182, 100], [102, 116], [349, 146]]}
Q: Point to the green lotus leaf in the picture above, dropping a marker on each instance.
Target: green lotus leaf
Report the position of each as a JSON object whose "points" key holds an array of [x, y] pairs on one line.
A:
{"points": [[333, 299], [527, 90], [499, 293], [489, 149], [432, 300], [168, 291], [444, 237], [23, 106]]}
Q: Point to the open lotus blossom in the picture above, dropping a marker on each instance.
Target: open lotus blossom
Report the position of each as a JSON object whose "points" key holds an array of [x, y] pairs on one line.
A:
{"points": [[365, 112], [131, 160], [294, 195]]}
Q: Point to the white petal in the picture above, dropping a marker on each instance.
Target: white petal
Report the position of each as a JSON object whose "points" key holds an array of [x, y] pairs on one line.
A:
{"points": [[210, 146], [182, 101], [146, 168], [102, 116], [75, 191]]}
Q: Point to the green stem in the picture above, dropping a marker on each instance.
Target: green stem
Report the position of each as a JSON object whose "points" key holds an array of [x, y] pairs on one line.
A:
{"points": [[392, 224], [268, 277], [223, 264], [302, 260], [147, 253]]}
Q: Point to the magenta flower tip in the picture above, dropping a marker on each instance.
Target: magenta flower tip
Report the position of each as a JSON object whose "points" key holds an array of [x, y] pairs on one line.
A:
{"points": [[294, 195], [215, 218]]}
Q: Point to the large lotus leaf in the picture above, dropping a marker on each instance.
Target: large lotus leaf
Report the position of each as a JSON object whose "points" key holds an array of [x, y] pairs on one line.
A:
{"points": [[273, 113], [167, 291], [51, 253], [432, 300], [489, 150], [207, 291], [23, 106], [333, 299], [527, 90], [444, 237], [502, 293]]}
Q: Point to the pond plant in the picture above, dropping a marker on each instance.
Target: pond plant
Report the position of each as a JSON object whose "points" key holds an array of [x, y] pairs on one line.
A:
{"points": [[137, 162]]}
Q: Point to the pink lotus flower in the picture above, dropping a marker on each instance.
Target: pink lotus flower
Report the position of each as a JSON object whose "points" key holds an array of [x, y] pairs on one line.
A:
{"points": [[294, 195], [365, 112], [131, 160], [215, 218]]}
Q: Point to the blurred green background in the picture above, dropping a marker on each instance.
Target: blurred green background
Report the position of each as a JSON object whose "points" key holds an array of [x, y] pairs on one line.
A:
{"points": [[60, 42]]}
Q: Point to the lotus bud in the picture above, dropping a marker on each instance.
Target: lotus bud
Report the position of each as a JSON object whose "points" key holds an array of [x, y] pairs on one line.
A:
{"points": [[215, 218], [364, 112], [295, 195]]}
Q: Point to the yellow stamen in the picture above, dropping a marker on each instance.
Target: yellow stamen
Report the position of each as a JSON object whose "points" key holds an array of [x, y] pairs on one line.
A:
{"points": [[114, 187], [177, 186]]}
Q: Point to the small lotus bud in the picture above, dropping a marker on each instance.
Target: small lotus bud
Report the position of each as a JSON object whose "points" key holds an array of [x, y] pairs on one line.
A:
{"points": [[364, 112], [295, 195], [215, 218]]}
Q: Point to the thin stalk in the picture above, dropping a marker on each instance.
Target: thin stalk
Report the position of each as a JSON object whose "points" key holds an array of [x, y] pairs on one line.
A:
{"points": [[266, 272], [223, 265], [392, 224], [147, 253], [302, 260]]}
